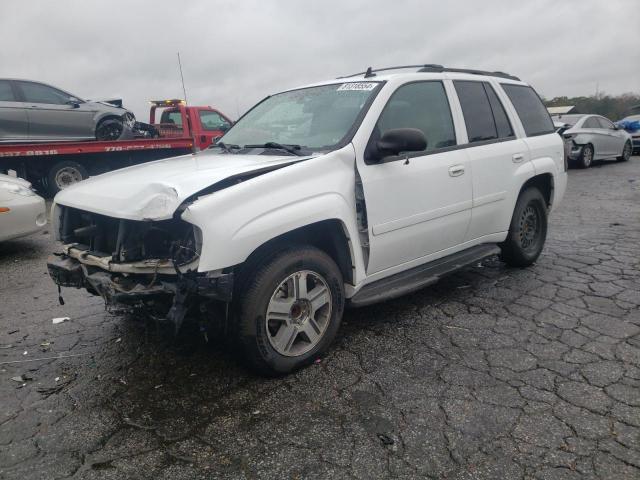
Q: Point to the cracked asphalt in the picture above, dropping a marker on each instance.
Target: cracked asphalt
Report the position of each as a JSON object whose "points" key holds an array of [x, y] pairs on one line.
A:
{"points": [[494, 373]]}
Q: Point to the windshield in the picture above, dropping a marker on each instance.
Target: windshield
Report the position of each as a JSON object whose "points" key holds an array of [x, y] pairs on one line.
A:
{"points": [[315, 118]]}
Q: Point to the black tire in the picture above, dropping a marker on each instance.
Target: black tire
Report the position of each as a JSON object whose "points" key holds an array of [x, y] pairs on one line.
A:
{"points": [[64, 174], [259, 285], [109, 129], [626, 152], [586, 156], [526, 241]]}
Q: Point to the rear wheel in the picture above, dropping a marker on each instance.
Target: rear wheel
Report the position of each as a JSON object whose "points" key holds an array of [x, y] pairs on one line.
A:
{"points": [[528, 230], [289, 310], [586, 157], [626, 152], [65, 174]]}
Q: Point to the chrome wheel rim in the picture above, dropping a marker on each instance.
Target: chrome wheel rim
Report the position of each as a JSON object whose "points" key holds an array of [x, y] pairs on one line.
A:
{"points": [[298, 313], [67, 176], [529, 227], [587, 156], [627, 151]]}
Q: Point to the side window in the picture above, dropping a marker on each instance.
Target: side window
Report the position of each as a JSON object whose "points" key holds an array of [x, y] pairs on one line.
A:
{"points": [[591, 123], [604, 123], [6, 94], [421, 105], [503, 125], [483, 113], [39, 93], [212, 121], [532, 112]]}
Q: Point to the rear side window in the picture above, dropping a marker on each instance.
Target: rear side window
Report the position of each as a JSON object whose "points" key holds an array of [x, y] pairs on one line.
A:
{"points": [[484, 115], [533, 114], [421, 105], [6, 94], [604, 123], [173, 117]]}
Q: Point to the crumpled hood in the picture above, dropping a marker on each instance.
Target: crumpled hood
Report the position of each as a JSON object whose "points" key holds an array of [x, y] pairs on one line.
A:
{"points": [[154, 190]]}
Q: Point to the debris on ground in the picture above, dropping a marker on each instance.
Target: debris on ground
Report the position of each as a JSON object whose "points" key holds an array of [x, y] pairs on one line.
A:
{"points": [[60, 320], [385, 439]]}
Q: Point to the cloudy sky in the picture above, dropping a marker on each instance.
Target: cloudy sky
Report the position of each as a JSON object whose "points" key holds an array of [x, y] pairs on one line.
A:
{"points": [[236, 52]]}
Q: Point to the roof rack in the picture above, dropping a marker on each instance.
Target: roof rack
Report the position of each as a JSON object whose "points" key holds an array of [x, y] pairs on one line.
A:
{"points": [[432, 68]]}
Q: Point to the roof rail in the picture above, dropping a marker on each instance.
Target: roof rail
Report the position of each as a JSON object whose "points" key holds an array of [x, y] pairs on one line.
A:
{"points": [[432, 68]]}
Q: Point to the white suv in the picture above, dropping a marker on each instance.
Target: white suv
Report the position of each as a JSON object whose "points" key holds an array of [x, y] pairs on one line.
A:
{"points": [[353, 190]]}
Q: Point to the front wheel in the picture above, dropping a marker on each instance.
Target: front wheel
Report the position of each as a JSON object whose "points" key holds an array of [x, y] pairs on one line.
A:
{"points": [[626, 152], [528, 230], [109, 129], [289, 310]]}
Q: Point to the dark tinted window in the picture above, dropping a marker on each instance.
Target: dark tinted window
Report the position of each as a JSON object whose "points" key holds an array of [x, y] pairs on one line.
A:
{"points": [[6, 94], [533, 114], [212, 120], [421, 105], [499, 115], [39, 93], [476, 110]]}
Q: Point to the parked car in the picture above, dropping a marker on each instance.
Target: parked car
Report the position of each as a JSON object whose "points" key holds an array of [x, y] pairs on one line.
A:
{"points": [[33, 111], [22, 212], [354, 190], [631, 125], [595, 138]]}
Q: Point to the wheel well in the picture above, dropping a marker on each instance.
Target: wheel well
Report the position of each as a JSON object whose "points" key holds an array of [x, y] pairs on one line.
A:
{"points": [[327, 235], [544, 183]]}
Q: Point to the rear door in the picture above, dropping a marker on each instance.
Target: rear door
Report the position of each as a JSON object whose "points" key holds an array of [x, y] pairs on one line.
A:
{"points": [[418, 203], [495, 154], [54, 114], [14, 123], [597, 136]]}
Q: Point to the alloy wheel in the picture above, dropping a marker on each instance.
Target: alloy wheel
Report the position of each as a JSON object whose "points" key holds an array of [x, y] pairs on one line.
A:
{"points": [[298, 313], [67, 176]]}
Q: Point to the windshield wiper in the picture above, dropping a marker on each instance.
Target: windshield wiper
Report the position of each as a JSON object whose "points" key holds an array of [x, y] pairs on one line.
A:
{"points": [[228, 148], [293, 149]]}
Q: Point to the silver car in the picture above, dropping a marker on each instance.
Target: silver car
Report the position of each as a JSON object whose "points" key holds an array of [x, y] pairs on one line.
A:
{"points": [[36, 112], [594, 138]]}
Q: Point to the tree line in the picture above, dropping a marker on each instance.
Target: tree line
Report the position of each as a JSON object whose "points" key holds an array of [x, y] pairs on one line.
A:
{"points": [[610, 106]]}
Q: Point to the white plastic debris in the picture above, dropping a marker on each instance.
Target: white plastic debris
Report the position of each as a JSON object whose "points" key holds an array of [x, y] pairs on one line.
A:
{"points": [[60, 320]]}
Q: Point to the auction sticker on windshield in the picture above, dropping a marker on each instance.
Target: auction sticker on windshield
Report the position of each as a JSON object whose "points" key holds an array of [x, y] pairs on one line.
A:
{"points": [[358, 86]]}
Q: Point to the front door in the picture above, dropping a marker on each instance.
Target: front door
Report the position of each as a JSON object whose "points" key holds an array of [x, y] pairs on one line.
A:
{"points": [[54, 114], [417, 204]]}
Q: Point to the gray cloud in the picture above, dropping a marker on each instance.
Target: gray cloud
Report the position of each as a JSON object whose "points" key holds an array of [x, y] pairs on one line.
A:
{"points": [[235, 53]]}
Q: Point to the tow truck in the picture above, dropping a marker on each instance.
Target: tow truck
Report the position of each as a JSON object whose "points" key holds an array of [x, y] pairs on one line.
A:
{"points": [[181, 129]]}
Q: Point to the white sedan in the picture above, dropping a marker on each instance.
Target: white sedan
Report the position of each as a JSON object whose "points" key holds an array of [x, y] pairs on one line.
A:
{"points": [[21, 211]]}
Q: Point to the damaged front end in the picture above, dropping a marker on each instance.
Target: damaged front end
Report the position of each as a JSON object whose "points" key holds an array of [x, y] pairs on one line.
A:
{"points": [[146, 266]]}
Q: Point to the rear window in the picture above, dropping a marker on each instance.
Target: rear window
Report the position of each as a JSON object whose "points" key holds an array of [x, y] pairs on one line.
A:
{"points": [[6, 94], [533, 114]]}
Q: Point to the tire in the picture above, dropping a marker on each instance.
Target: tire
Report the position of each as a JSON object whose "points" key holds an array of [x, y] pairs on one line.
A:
{"points": [[524, 243], [63, 174], [626, 152], [109, 129], [586, 156], [272, 341]]}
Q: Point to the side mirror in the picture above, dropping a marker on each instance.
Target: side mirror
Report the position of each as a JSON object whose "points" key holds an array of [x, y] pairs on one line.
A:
{"points": [[224, 127], [73, 104], [616, 126], [399, 140]]}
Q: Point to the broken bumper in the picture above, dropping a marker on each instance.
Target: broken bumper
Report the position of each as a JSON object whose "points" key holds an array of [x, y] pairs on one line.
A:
{"points": [[137, 290]]}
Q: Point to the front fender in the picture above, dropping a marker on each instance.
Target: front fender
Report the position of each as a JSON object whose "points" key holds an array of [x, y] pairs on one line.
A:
{"points": [[238, 220]]}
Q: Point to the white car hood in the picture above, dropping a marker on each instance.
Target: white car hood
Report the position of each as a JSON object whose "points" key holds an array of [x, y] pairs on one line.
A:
{"points": [[154, 190]]}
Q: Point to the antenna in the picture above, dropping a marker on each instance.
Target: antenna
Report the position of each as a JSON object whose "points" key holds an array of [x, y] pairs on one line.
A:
{"points": [[184, 90]]}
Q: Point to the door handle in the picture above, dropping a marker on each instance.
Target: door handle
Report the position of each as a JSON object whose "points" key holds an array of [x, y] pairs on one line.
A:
{"points": [[456, 170], [517, 158]]}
